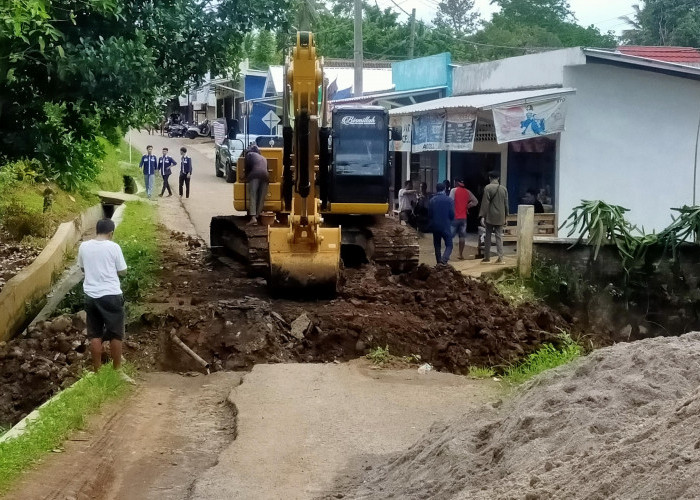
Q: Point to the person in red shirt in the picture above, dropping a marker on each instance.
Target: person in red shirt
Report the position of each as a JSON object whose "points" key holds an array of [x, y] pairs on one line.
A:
{"points": [[464, 200]]}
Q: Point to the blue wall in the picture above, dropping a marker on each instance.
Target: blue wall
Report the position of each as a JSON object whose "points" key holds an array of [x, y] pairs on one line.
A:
{"points": [[254, 88], [424, 72]]}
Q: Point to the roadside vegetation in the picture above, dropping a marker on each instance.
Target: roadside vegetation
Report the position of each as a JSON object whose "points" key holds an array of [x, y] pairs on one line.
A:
{"points": [[68, 412], [32, 204], [545, 358]]}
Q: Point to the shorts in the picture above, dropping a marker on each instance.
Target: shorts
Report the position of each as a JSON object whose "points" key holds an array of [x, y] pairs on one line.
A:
{"points": [[105, 317], [459, 227]]}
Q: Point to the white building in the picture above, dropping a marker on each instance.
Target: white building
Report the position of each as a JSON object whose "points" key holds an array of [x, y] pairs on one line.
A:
{"points": [[632, 128]]}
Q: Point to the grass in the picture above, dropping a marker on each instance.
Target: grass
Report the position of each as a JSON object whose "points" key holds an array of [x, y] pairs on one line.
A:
{"points": [[479, 372], [515, 289], [22, 197], [137, 236], [57, 420], [545, 358]]}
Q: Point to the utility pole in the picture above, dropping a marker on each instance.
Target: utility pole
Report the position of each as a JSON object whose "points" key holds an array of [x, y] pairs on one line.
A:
{"points": [[358, 49], [412, 42]]}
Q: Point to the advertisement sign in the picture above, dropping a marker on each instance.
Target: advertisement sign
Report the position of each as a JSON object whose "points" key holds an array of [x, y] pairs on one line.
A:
{"points": [[460, 129], [219, 131], [405, 123], [529, 120], [428, 132]]}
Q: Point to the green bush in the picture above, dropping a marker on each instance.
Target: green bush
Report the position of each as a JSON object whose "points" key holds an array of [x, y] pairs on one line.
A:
{"points": [[20, 222]]}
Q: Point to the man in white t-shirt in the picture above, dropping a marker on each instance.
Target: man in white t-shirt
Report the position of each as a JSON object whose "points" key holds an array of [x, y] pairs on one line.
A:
{"points": [[103, 262], [407, 201]]}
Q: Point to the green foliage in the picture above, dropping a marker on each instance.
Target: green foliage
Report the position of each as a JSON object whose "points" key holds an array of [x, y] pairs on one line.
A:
{"points": [[379, 355], [74, 70], [57, 420], [137, 236], [664, 22], [545, 358], [264, 50], [458, 16], [478, 372]]}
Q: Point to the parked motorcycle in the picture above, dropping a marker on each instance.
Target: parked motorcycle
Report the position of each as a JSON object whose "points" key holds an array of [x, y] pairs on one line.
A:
{"points": [[201, 130], [177, 130]]}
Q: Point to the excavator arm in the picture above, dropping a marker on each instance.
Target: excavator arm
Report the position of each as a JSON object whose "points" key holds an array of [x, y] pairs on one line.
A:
{"points": [[304, 254]]}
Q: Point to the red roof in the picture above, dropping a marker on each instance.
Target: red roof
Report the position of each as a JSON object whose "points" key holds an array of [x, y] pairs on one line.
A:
{"points": [[678, 55]]}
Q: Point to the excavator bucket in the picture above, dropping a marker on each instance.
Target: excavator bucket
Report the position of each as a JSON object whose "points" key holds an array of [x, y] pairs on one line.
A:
{"points": [[304, 264]]}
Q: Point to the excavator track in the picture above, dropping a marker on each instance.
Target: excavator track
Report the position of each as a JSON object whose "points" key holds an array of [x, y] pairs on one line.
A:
{"points": [[248, 243], [384, 241]]}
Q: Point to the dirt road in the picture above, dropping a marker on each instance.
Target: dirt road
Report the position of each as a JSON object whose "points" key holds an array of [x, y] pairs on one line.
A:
{"points": [[151, 446]]}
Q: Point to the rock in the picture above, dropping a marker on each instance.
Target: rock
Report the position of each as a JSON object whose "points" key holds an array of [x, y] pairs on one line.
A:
{"points": [[80, 320], [626, 332], [360, 346], [61, 324], [643, 331], [300, 326]]}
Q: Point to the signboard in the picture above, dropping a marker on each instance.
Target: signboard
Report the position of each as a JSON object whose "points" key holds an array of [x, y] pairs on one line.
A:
{"points": [[271, 120], [405, 123], [428, 132], [219, 131], [460, 129], [530, 120]]}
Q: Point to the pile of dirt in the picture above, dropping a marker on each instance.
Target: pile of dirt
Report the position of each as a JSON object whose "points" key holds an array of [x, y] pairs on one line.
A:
{"points": [[623, 422], [450, 321], [34, 366], [14, 257]]}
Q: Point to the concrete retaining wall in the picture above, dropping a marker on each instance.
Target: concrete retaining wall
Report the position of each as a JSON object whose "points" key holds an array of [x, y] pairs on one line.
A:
{"points": [[34, 281]]}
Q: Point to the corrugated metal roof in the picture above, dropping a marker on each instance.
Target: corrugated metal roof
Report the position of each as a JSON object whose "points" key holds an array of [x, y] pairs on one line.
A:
{"points": [[645, 63], [380, 95], [680, 55], [481, 101]]}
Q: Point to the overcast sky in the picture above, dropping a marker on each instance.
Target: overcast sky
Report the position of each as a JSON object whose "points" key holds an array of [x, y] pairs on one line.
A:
{"points": [[602, 13]]}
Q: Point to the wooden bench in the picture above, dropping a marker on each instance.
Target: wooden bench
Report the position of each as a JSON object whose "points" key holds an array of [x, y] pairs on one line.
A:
{"points": [[545, 225]]}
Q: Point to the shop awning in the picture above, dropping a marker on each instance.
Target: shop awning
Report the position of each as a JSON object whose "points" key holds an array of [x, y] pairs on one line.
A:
{"points": [[482, 101]]}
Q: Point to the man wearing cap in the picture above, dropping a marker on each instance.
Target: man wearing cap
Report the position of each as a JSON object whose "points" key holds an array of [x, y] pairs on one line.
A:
{"points": [[493, 213], [164, 164], [185, 172], [149, 165], [464, 200], [257, 179]]}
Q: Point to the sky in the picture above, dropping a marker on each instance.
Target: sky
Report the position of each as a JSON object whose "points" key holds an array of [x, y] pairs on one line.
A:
{"points": [[602, 13]]}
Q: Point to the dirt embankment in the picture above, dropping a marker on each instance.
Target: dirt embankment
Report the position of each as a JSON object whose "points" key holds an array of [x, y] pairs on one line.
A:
{"points": [[14, 257], [450, 321], [623, 422], [33, 367]]}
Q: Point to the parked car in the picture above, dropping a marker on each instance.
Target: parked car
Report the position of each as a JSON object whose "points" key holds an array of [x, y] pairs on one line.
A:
{"points": [[227, 154]]}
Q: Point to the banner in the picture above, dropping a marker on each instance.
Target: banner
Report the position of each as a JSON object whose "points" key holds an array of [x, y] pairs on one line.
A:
{"points": [[529, 120], [405, 123], [428, 132], [460, 129], [219, 131]]}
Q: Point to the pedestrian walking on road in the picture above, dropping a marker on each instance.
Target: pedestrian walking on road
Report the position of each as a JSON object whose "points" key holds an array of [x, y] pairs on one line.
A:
{"points": [[493, 213], [464, 200], [103, 263], [165, 163], [441, 211], [149, 165], [185, 172], [257, 178]]}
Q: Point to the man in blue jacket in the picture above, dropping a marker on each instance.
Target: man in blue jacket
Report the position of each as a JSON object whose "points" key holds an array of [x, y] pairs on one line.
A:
{"points": [[185, 171], [164, 164], [441, 212], [149, 165]]}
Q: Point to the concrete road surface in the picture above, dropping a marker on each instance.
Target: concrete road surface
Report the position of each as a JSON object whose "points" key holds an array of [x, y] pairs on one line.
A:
{"points": [[209, 195], [301, 425]]}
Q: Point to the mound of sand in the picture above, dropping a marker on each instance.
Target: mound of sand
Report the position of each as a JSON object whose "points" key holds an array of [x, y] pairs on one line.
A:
{"points": [[623, 422]]}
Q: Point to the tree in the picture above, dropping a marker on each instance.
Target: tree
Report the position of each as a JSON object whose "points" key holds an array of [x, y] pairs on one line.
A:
{"points": [[264, 50], [458, 16], [74, 69], [664, 22]]}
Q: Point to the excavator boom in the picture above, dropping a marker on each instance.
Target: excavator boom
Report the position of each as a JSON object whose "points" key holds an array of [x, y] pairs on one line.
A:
{"points": [[304, 254]]}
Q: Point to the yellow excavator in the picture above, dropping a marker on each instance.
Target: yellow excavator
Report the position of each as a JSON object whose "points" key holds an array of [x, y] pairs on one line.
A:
{"points": [[328, 189]]}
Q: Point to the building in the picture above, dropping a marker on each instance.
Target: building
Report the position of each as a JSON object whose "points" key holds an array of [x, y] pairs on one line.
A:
{"points": [[573, 124]]}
